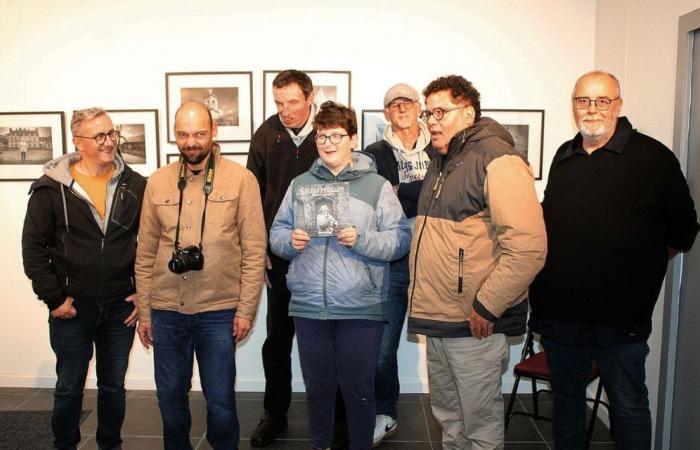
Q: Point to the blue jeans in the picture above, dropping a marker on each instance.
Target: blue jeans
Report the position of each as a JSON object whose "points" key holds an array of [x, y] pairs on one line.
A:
{"points": [[623, 376], [341, 353], [386, 384], [72, 341], [176, 339]]}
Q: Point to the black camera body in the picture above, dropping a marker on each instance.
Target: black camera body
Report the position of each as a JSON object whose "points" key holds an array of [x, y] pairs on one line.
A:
{"points": [[186, 259]]}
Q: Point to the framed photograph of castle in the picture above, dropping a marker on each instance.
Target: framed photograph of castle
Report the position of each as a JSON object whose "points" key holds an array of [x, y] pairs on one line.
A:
{"points": [[328, 85], [140, 138], [373, 124], [228, 95], [28, 140], [527, 128]]}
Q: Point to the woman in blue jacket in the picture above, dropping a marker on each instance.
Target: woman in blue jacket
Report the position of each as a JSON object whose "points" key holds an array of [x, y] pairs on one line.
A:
{"points": [[339, 276]]}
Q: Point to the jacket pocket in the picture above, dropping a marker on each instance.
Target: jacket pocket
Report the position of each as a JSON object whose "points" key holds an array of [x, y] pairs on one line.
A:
{"points": [[166, 207], [125, 207], [460, 270], [223, 206]]}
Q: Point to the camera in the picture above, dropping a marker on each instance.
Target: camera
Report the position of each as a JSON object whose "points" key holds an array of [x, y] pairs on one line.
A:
{"points": [[186, 259]]}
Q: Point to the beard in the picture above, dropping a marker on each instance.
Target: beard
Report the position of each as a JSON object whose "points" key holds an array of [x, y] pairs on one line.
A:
{"points": [[198, 158]]}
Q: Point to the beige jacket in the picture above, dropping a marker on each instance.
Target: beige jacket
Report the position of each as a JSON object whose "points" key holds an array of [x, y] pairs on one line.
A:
{"points": [[234, 245]]}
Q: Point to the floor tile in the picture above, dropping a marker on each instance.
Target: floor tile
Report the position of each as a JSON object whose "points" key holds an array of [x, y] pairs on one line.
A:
{"points": [[9, 401]]}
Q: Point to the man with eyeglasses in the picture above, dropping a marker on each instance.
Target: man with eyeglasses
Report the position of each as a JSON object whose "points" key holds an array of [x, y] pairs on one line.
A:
{"points": [[78, 248], [478, 242], [617, 208], [402, 159]]}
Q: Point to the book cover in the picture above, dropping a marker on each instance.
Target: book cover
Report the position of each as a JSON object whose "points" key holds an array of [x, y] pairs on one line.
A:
{"points": [[322, 209]]}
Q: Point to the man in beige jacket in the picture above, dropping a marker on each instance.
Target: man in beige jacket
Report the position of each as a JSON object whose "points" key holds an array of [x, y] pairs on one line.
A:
{"points": [[199, 271]]}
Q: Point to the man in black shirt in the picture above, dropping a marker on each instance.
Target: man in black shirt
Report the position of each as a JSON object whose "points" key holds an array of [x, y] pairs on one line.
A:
{"points": [[617, 208]]}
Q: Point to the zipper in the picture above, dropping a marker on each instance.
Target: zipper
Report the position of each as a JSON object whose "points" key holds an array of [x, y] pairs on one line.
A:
{"points": [[102, 246], [325, 298], [369, 275], [460, 282]]}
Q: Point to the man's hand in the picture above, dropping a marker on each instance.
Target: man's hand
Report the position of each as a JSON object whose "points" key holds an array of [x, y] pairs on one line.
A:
{"points": [[241, 327], [145, 333], [480, 327], [268, 266], [133, 317], [66, 310], [348, 236], [299, 239]]}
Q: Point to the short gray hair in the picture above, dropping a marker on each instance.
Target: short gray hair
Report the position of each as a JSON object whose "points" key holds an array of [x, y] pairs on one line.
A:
{"points": [[80, 115], [598, 73]]}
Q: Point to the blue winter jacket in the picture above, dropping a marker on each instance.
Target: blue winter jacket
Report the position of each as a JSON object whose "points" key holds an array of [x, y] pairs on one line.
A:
{"points": [[328, 280]]}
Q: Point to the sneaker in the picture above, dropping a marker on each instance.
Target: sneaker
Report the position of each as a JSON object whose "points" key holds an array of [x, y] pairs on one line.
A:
{"points": [[269, 428], [384, 427]]}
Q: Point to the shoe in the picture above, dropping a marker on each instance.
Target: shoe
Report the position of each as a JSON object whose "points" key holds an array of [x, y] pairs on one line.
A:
{"points": [[269, 428], [384, 427]]}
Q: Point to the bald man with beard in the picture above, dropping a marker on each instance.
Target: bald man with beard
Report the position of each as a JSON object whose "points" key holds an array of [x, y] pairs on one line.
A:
{"points": [[199, 271]]}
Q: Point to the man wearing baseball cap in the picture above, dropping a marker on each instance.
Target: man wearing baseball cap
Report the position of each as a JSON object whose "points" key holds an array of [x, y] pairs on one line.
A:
{"points": [[402, 159]]}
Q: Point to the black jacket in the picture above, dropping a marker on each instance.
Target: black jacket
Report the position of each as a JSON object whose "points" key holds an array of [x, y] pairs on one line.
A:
{"points": [[275, 160], [610, 217], [75, 258]]}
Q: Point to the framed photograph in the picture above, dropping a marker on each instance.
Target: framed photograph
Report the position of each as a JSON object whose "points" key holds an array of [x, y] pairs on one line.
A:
{"points": [[140, 138], [527, 128], [228, 95], [328, 85], [27, 141], [373, 124]]}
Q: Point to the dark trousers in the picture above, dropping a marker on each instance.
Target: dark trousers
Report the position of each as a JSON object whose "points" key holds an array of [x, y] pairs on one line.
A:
{"points": [[623, 376], [387, 387], [72, 341], [339, 353], [176, 339], [277, 348]]}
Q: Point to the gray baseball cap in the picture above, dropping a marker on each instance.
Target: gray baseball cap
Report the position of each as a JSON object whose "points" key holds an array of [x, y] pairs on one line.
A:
{"points": [[400, 90]]}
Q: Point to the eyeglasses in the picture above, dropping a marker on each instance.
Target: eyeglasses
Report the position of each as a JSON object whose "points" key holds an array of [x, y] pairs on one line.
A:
{"points": [[438, 113], [102, 137], [398, 104], [601, 103], [335, 138]]}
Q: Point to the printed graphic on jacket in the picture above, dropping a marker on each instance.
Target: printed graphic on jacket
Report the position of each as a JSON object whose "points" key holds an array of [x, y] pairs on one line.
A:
{"points": [[322, 209]]}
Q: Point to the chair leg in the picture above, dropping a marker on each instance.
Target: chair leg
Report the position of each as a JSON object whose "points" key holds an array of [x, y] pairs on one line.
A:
{"points": [[594, 413], [509, 410], [535, 399]]}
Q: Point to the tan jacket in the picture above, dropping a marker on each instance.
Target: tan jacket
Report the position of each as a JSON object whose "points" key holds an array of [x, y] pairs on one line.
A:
{"points": [[234, 245]]}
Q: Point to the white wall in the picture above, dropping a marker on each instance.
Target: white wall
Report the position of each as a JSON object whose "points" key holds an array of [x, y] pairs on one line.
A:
{"points": [[637, 40], [74, 54]]}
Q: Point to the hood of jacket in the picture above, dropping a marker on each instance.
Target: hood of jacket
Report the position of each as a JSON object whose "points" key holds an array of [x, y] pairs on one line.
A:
{"points": [[58, 169], [485, 128], [401, 152], [363, 163]]}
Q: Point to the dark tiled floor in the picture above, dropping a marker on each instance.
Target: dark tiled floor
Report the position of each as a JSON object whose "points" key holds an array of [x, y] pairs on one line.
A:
{"points": [[417, 428]]}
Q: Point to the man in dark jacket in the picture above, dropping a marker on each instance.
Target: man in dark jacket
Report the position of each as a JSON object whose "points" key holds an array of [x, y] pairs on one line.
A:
{"points": [[282, 148], [617, 208], [402, 159], [78, 248]]}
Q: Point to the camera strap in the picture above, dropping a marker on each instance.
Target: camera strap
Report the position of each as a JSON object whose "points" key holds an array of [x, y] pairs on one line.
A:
{"points": [[208, 187]]}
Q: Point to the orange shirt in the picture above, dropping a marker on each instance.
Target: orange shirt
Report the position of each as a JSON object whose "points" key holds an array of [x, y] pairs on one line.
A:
{"points": [[95, 186]]}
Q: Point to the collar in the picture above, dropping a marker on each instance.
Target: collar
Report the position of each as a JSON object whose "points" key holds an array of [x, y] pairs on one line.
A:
{"points": [[616, 143]]}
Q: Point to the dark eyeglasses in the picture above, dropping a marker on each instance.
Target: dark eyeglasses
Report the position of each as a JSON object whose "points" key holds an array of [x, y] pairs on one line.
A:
{"points": [[101, 138], [335, 138], [601, 103], [438, 113]]}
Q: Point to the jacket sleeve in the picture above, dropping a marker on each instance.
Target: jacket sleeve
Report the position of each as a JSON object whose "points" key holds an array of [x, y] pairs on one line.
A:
{"points": [[392, 237], [39, 230], [146, 251], [282, 227], [256, 159], [679, 209], [253, 235], [516, 216]]}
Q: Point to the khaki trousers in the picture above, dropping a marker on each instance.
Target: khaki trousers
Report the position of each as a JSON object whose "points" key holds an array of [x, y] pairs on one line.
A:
{"points": [[465, 390]]}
